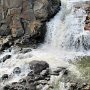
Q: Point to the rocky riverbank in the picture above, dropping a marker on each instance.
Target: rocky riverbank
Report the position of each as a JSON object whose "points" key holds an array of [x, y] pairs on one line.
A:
{"points": [[42, 77]]}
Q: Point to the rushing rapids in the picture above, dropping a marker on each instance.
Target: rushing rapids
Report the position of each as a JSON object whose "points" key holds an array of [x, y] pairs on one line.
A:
{"points": [[65, 40]]}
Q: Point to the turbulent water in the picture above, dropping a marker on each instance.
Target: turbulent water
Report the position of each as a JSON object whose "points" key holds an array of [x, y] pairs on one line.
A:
{"points": [[63, 42]]}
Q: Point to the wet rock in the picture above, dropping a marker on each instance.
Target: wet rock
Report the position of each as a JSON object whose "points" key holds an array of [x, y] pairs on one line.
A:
{"points": [[39, 87], [85, 87], [32, 86], [59, 69], [26, 50], [47, 78], [5, 77], [55, 74], [45, 72], [22, 81], [7, 87], [17, 70], [73, 86], [5, 58], [39, 77], [36, 80], [56, 71], [14, 83], [31, 73], [17, 87], [43, 82], [65, 72], [33, 78], [38, 66], [30, 79], [6, 42]]}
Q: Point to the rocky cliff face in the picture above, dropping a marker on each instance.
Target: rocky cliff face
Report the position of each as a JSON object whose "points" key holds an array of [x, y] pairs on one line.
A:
{"points": [[24, 19]]}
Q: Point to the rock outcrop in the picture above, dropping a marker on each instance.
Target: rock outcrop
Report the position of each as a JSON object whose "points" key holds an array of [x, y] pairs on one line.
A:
{"points": [[25, 19], [87, 21]]}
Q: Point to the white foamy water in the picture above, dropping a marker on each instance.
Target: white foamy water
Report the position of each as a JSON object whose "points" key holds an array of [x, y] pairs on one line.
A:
{"points": [[63, 42]]}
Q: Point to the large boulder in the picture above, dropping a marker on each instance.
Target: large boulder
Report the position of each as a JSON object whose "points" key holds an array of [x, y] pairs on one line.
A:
{"points": [[38, 66]]}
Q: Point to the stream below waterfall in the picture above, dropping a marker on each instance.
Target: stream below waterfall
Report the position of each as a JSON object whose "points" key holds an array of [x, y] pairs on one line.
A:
{"points": [[64, 44]]}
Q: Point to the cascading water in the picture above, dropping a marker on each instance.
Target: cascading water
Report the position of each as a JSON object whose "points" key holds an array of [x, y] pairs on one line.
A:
{"points": [[65, 36], [66, 30]]}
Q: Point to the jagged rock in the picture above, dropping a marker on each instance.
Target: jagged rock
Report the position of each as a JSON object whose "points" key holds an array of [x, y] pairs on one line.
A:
{"points": [[43, 82], [38, 66], [25, 50], [73, 86], [59, 69], [17, 87], [5, 76], [56, 71], [6, 87], [4, 30], [5, 58], [20, 18], [65, 72], [23, 81], [17, 70], [45, 72]]}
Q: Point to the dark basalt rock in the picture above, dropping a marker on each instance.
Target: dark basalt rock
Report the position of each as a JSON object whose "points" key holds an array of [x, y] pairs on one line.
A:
{"points": [[38, 66], [66, 72], [25, 50], [5, 77], [17, 70], [31, 73], [5, 58], [4, 30], [7, 87]]}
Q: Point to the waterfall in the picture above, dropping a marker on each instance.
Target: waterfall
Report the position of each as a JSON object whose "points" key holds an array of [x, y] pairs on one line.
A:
{"points": [[65, 39]]}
